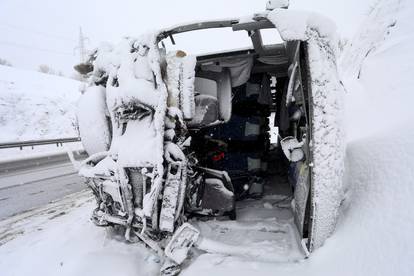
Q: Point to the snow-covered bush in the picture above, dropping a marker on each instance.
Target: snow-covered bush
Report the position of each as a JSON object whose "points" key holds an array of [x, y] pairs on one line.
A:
{"points": [[5, 62]]}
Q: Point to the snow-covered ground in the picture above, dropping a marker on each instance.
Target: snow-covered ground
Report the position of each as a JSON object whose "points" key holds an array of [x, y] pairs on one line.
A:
{"points": [[36, 106], [373, 236], [59, 239]]}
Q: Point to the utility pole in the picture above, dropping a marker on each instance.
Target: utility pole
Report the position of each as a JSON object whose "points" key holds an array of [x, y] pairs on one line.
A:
{"points": [[82, 55], [81, 46]]}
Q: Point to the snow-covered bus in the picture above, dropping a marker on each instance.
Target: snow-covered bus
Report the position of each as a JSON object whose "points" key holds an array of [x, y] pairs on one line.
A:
{"points": [[177, 137]]}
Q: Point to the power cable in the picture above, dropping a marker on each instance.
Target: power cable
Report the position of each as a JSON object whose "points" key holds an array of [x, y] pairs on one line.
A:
{"points": [[34, 48], [32, 31]]}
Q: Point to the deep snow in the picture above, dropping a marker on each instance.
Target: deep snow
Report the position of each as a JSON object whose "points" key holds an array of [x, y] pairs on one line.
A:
{"points": [[373, 236]]}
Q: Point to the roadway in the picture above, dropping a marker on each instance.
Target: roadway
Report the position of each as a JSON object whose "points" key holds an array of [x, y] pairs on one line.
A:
{"points": [[30, 183]]}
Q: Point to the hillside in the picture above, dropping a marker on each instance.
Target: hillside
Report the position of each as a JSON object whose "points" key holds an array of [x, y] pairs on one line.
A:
{"points": [[36, 106]]}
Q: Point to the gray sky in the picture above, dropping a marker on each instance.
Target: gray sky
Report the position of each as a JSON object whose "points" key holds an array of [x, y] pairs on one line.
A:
{"points": [[34, 32]]}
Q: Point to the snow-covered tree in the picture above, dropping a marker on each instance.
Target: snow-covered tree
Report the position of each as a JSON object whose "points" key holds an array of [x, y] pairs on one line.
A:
{"points": [[5, 62], [46, 69]]}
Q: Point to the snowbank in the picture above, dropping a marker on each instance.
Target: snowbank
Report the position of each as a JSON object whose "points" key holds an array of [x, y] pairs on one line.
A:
{"points": [[377, 70], [377, 226], [36, 106]]}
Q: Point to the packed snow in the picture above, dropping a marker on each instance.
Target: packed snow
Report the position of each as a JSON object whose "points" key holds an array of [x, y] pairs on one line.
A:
{"points": [[59, 239]]}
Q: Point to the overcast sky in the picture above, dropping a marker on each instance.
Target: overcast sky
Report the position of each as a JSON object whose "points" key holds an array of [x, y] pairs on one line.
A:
{"points": [[34, 32]]}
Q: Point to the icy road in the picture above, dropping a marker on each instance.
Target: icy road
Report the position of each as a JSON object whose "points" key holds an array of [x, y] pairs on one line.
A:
{"points": [[31, 183]]}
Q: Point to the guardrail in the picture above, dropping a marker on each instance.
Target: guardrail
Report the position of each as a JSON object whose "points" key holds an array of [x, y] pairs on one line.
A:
{"points": [[32, 143]]}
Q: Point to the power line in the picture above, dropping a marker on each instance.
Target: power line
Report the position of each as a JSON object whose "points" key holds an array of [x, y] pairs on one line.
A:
{"points": [[32, 31], [34, 48]]}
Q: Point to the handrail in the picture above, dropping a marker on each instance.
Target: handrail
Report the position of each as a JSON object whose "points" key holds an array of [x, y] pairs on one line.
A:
{"points": [[32, 143]]}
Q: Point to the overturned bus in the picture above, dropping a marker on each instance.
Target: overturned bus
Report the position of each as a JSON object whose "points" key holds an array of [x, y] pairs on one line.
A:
{"points": [[175, 138]]}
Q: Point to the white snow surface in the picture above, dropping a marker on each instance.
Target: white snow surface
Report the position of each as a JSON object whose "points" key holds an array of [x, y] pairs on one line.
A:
{"points": [[35, 106], [297, 24], [383, 60], [264, 232], [374, 233], [59, 239]]}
